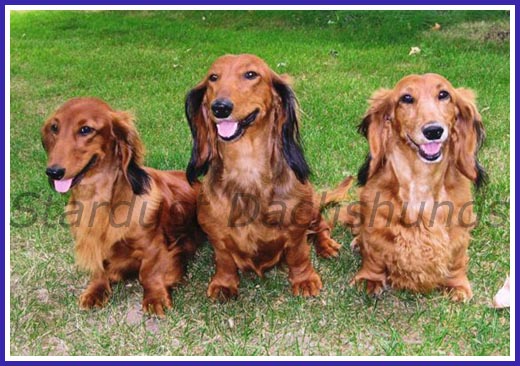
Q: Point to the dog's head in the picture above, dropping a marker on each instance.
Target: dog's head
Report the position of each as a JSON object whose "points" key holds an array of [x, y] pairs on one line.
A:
{"points": [[241, 95], [85, 137], [430, 120]]}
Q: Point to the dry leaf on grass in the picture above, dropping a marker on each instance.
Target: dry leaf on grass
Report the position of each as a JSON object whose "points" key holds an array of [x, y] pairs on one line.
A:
{"points": [[414, 51]]}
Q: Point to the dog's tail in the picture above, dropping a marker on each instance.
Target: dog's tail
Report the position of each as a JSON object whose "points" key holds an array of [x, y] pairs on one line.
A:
{"points": [[327, 199]]}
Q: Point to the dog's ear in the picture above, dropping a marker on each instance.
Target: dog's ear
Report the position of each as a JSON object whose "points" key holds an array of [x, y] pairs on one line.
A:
{"points": [[47, 137], [376, 127], [130, 150], [204, 135], [291, 142], [468, 136]]}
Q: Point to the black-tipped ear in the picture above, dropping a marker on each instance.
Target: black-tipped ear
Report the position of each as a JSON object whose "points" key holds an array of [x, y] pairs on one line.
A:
{"points": [[292, 148], [131, 151], [138, 178], [482, 177], [363, 126], [203, 148], [469, 135], [362, 176]]}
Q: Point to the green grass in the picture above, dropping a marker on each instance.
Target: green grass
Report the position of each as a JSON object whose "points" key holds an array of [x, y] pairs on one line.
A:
{"points": [[146, 62]]}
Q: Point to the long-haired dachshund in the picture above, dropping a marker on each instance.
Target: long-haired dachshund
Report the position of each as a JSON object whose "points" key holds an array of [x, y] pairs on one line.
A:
{"points": [[126, 219], [416, 203], [256, 204]]}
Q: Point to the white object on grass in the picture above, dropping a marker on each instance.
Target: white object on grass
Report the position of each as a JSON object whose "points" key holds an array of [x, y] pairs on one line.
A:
{"points": [[502, 298]]}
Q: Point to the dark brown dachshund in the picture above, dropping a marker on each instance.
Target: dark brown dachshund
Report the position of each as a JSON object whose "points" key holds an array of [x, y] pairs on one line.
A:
{"points": [[256, 203], [126, 219], [416, 200]]}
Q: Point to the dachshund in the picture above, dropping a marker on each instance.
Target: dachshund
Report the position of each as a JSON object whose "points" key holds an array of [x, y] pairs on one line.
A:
{"points": [[256, 203], [127, 220], [413, 223]]}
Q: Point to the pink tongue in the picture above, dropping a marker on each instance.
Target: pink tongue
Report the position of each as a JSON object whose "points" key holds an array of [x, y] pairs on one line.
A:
{"points": [[431, 148], [62, 186], [227, 128]]}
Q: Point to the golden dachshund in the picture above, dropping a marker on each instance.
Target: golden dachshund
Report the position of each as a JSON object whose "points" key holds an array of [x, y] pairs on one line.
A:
{"points": [[256, 203], [415, 217], [126, 219]]}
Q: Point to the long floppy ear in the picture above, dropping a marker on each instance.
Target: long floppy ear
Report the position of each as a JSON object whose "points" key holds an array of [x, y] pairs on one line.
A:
{"points": [[291, 142], [376, 128], [468, 136], [130, 149], [46, 137], [204, 136]]}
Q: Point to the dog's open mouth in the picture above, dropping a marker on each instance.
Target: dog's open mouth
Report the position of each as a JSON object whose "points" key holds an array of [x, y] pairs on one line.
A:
{"points": [[229, 129], [431, 152], [63, 185]]}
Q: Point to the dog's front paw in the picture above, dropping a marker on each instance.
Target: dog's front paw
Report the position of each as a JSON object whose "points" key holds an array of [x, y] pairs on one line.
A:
{"points": [[328, 248], [306, 287], [222, 292], [373, 287], [94, 297], [157, 303], [461, 294], [459, 288]]}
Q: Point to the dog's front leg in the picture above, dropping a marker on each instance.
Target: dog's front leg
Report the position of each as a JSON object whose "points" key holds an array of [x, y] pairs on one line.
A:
{"points": [[457, 283], [224, 284], [161, 269], [302, 276]]}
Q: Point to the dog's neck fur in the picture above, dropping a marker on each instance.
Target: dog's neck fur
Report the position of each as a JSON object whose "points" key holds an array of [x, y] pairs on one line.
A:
{"points": [[254, 164], [100, 186], [420, 185]]}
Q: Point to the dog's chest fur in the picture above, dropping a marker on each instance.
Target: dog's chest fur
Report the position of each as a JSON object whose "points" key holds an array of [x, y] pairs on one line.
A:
{"points": [[418, 232], [249, 212], [100, 219]]}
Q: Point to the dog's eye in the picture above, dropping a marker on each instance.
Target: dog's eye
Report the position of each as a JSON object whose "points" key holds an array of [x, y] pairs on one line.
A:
{"points": [[85, 130], [443, 94], [54, 128], [250, 75], [407, 99], [213, 77]]}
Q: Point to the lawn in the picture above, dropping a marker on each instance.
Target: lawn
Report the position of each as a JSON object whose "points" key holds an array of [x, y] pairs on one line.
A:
{"points": [[145, 62]]}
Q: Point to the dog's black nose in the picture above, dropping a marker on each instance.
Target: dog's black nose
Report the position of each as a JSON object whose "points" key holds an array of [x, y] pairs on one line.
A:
{"points": [[222, 108], [433, 132], [55, 172]]}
